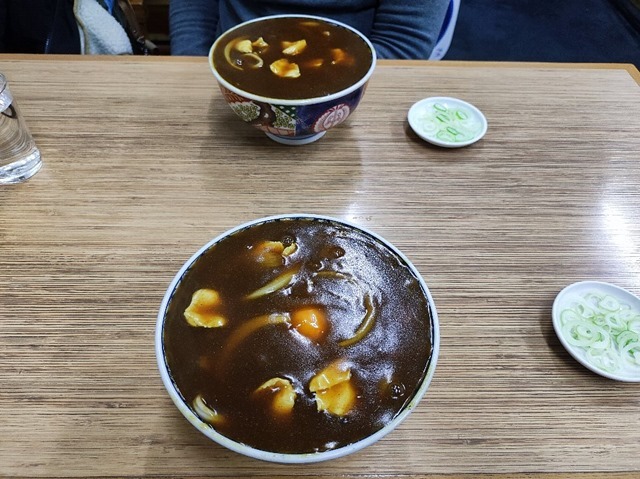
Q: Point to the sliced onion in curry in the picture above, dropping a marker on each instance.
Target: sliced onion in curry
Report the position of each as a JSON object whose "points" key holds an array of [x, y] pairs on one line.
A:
{"points": [[365, 326], [206, 412], [276, 284]]}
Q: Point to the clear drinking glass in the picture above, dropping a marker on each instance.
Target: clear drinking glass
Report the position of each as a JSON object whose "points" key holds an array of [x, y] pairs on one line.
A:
{"points": [[19, 155]]}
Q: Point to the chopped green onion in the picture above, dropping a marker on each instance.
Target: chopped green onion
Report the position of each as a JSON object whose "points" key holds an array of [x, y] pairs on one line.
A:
{"points": [[604, 359], [609, 303], [586, 335], [607, 330], [442, 118]]}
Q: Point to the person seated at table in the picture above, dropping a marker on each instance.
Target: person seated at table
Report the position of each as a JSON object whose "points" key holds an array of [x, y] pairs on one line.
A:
{"points": [[407, 29]]}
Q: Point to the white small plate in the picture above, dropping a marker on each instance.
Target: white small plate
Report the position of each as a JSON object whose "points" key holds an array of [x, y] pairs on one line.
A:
{"points": [[569, 297], [447, 122]]}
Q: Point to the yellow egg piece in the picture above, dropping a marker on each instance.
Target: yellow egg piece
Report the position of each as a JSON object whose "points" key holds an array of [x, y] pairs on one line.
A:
{"points": [[336, 373], [310, 322], [282, 392], [337, 400], [201, 312], [333, 389]]}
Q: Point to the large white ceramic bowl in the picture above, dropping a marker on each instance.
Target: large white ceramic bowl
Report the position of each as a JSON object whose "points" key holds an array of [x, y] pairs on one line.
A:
{"points": [[244, 449]]}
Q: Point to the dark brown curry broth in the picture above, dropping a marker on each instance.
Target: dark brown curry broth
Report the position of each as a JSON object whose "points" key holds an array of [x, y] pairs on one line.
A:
{"points": [[313, 82], [396, 351]]}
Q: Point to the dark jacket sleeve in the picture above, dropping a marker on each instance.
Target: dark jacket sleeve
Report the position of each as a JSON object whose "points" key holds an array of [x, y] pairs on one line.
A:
{"points": [[192, 26], [407, 29]]}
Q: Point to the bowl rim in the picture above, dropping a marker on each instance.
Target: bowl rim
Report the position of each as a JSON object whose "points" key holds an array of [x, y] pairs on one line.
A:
{"points": [[300, 101], [293, 458]]}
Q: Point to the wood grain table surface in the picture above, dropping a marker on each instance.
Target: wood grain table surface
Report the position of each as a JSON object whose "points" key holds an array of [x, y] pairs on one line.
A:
{"points": [[144, 163]]}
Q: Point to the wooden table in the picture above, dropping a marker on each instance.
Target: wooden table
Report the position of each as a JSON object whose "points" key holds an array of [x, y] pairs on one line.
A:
{"points": [[144, 163]]}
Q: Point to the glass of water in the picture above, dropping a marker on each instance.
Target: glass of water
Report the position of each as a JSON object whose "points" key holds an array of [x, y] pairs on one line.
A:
{"points": [[19, 156]]}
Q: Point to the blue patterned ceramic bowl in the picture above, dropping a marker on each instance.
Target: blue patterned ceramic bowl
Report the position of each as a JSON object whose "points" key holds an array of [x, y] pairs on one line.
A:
{"points": [[299, 121]]}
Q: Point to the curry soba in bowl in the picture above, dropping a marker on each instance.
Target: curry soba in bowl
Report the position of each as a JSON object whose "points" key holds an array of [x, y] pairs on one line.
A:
{"points": [[293, 77], [297, 338]]}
